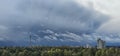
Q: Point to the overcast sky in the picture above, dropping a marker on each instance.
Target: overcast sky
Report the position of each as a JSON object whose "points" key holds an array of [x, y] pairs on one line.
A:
{"points": [[84, 16]]}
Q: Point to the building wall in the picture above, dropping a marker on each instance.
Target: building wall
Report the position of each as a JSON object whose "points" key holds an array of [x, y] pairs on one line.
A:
{"points": [[100, 44]]}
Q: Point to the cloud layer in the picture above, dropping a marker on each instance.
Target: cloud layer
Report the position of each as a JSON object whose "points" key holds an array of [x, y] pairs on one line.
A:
{"points": [[76, 17], [58, 14]]}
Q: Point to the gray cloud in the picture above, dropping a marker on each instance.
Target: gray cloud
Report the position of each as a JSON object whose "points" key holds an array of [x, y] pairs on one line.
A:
{"points": [[20, 17], [62, 14]]}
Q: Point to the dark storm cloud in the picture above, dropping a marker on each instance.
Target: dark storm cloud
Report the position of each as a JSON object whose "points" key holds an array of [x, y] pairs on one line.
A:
{"points": [[62, 14], [19, 17]]}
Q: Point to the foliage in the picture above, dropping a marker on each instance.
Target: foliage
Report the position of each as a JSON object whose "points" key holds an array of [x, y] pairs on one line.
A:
{"points": [[58, 51]]}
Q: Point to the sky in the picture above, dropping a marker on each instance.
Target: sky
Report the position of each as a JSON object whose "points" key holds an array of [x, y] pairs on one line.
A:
{"points": [[60, 20]]}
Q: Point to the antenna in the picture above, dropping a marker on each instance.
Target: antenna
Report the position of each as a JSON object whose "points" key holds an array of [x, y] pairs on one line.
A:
{"points": [[30, 36]]}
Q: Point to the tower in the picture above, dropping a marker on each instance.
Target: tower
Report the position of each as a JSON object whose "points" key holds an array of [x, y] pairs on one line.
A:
{"points": [[100, 44], [30, 36]]}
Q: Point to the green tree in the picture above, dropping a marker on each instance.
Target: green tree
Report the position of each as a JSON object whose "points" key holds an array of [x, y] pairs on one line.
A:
{"points": [[5, 53], [98, 53], [67, 53]]}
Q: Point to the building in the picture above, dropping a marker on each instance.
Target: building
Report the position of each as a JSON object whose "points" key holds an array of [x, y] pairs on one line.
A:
{"points": [[100, 44], [88, 46]]}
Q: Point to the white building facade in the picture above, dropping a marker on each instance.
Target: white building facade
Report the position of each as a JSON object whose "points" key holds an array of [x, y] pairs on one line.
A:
{"points": [[100, 44]]}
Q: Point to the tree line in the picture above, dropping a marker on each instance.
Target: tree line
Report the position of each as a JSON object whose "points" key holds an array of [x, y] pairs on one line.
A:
{"points": [[58, 51]]}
